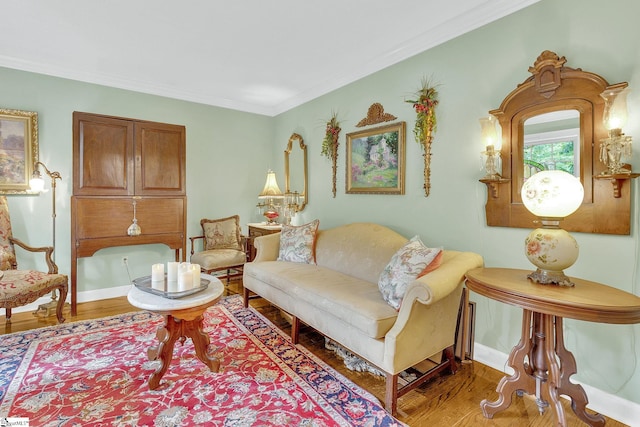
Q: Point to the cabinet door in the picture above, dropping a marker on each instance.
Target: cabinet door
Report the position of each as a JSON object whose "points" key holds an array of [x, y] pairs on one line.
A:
{"points": [[160, 151], [102, 155]]}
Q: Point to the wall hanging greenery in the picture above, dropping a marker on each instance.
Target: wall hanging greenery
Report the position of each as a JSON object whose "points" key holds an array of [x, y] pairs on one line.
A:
{"points": [[330, 145], [425, 125]]}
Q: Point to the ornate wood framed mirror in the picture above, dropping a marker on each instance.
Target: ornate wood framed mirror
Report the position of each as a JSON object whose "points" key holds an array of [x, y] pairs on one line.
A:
{"points": [[295, 173], [564, 102]]}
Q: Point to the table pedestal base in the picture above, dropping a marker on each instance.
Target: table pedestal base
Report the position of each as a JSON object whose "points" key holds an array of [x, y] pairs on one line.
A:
{"points": [[542, 368], [180, 326]]}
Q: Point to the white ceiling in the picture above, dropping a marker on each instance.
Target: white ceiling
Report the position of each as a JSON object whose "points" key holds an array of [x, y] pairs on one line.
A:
{"points": [[257, 56]]}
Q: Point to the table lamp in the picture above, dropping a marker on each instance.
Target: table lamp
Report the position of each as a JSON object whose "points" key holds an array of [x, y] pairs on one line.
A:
{"points": [[551, 195], [270, 193]]}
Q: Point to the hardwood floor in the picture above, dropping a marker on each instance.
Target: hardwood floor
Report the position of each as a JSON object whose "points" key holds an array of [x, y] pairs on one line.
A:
{"points": [[448, 400]]}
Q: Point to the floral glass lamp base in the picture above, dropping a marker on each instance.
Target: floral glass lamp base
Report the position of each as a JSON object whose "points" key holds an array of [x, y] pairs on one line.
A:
{"points": [[551, 250]]}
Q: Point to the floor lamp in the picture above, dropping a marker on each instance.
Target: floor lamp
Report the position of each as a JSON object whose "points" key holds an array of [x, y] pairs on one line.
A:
{"points": [[37, 185]]}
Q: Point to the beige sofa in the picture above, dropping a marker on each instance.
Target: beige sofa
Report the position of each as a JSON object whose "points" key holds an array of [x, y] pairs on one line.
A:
{"points": [[339, 297]]}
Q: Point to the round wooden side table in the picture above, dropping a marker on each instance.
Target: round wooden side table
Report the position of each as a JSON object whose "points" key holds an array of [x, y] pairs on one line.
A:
{"points": [[541, 362], [182, 319]]}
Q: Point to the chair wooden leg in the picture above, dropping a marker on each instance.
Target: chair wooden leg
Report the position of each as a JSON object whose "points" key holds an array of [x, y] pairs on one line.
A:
{"points": [[62, 297], [8, 314]]}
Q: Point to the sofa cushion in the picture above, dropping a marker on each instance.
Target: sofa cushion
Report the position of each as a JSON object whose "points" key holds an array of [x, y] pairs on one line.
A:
{"points": [[356, 302], [404, 267], [297, 243], [359, 249]]}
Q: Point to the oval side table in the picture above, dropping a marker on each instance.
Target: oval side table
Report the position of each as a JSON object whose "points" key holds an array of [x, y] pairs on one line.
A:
{"points": [[182, 319], [542, 364]]}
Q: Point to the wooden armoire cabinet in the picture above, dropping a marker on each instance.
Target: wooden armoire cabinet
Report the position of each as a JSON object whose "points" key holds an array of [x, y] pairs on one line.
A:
{"points": [[119, 163]]}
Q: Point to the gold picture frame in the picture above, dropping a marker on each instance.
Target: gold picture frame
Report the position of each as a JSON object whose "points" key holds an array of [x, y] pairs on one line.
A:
{"points": [[18, 150], [376, 159]]}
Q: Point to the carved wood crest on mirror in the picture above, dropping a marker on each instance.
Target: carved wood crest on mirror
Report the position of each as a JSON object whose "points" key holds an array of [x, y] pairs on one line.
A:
{"points": [[561, 106]]}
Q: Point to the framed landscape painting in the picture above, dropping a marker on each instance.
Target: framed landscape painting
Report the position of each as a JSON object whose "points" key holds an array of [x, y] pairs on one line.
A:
{"points": [[18, 150], [375, 160]]}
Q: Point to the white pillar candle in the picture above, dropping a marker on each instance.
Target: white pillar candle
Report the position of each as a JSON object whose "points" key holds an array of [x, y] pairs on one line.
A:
{"points": [[157, 273], [172, 271], [185, 279], [195, 275], [172, 286]]}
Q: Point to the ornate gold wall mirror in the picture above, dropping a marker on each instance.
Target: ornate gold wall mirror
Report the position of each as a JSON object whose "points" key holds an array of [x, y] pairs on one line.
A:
{"points": [[295, 173], [563, 102]]}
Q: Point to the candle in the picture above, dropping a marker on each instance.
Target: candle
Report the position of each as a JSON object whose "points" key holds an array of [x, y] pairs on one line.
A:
{"points": [[172, 286], [185, 279], [157, 273], [172, 271], [195, 275]]}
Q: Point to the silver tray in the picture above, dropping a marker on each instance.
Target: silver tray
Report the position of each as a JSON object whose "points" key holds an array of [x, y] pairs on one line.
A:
{"points": [[144, 284]]}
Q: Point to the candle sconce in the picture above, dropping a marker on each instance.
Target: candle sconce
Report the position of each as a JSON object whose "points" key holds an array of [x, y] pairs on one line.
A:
{"points": [[491, 157]]}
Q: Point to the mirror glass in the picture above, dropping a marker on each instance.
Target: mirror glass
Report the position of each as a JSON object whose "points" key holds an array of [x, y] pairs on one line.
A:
{"points": [[295, 165], [552, 142]]}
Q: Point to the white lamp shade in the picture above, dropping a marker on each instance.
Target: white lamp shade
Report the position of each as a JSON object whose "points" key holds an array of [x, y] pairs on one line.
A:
{"points": [[552, 194], [271, 188], [36, 184]]}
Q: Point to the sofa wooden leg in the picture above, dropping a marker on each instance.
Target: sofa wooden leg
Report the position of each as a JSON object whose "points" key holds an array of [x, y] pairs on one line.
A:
{"points": [[8, 314], [449, 353], [245, 297], [295, 330], [391, 394]]}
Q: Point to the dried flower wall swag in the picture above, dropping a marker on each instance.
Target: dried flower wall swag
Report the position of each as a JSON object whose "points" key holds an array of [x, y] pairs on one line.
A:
{"points": [[330, 145], [425, 125]]}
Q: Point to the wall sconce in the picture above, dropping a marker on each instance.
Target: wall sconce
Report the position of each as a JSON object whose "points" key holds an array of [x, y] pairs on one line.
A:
{"points": [[270, 193], [617, 146], [551, 195], [491, 154], [36, 184]]}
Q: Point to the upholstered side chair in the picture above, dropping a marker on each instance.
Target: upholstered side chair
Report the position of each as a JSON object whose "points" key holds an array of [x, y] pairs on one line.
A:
{"points": [[223, 247], [21, 287]]}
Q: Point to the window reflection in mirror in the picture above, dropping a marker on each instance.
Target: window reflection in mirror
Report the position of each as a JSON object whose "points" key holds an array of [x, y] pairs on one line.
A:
{"points": [[552, 142]]}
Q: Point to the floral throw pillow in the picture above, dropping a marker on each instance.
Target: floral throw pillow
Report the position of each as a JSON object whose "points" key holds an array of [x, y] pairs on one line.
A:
{"points": [[297, 243], [405, 267]]}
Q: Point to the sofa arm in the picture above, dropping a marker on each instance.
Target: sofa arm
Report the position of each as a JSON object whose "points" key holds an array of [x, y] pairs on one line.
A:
{"points": [[428, 315], [439, 283], [267, 247]]}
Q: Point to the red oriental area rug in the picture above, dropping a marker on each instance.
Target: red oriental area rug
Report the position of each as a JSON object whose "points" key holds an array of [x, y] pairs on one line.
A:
{"points": [[95, 373]]}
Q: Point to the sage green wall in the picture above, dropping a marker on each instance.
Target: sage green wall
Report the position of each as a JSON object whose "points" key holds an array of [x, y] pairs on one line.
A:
{"points": [[474, 73], [228, 153]]}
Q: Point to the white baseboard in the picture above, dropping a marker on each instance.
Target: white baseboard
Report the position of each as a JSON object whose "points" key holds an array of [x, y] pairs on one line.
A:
{"points": [[610, 405]]}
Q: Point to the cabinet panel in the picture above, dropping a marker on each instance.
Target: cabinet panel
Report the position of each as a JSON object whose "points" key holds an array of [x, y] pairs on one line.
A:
{"points": [[110, 217], [115, 156], [102, 155], [160, 151]]}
